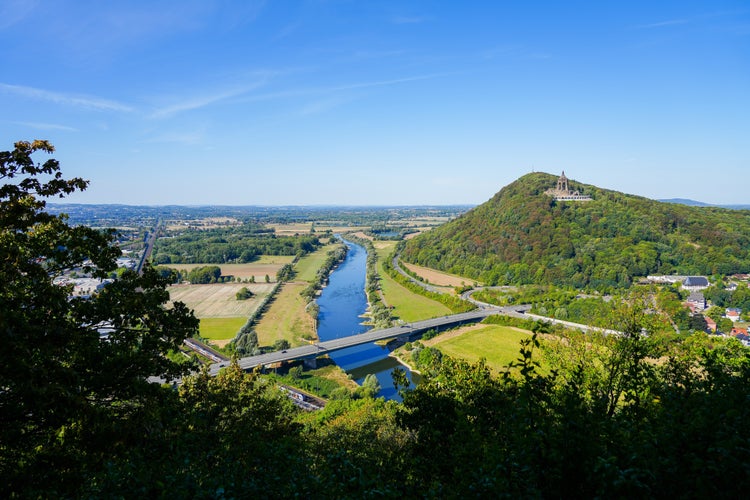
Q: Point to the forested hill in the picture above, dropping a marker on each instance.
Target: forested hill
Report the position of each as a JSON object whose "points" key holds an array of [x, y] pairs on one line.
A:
{"points": [[523, 236]]}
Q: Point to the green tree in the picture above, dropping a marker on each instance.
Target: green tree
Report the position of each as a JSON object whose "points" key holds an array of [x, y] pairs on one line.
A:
{"points": [[296, 372], [281, 345], [286, 273], [371, 385], [243, 293], [70, 397], [204, 274], [246, 342], [724, 325]]}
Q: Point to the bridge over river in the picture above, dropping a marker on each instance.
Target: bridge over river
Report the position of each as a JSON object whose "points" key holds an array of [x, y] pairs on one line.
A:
{"points": [[312, 351]]}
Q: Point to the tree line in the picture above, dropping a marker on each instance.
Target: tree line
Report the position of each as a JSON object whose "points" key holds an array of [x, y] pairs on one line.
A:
{"points": [[229, 245]]}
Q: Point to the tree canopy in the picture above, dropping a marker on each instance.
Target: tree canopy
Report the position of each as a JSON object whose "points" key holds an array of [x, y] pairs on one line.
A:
{"points": [[73, 371]]}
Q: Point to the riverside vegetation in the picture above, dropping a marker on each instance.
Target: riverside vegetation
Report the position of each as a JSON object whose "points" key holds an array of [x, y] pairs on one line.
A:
{"points": [[582, 416]]}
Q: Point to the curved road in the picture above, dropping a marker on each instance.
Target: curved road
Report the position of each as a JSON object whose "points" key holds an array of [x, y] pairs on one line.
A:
{"points": [[424, 285]]}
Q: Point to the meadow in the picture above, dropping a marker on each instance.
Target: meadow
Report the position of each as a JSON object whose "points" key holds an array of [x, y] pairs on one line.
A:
{"points": [[408, 306], [286, 318], [307, 267], [498, 345], [220, 331]]}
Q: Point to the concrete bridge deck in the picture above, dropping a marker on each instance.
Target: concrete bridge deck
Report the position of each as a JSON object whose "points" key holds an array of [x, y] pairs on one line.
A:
{"points": [[312, 351]]}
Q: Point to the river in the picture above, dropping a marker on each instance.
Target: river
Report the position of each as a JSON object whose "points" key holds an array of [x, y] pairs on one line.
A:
{"points": [[342, 306]]}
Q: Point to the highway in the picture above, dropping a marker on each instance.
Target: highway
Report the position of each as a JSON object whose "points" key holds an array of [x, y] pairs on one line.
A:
{"points": [[148, 247], [322, 348]]}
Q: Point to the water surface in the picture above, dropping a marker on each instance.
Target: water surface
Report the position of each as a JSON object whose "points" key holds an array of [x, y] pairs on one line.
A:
{"points": [[342, 306]]}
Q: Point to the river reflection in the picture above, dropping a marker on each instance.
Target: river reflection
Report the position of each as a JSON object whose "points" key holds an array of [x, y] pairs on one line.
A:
{"points": [[342, 304]]}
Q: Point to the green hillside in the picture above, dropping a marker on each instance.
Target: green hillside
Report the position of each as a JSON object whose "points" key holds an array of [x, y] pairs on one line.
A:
{"points": [[523, 236]]}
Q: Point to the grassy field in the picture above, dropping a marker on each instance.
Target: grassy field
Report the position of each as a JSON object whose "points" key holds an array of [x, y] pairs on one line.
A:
{"points": [[499, 345], [286, 318], [218, 300], [407, 305], [308, 265], [221, 330], [265, 265]]}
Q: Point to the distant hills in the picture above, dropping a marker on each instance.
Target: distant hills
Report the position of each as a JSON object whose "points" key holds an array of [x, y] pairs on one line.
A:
{"points": [[523, 236], [693, 203], [684, 201]]}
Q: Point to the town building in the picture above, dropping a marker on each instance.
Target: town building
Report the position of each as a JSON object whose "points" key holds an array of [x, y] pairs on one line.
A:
{"points": [[695, 283], [733, 313], [711, 324], [696, 302]]}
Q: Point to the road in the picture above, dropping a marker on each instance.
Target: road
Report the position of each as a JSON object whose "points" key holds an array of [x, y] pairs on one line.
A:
{"points": [[148, 247], [322, 348], [426, 286]]}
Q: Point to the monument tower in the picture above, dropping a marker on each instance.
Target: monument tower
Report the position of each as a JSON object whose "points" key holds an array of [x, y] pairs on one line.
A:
{"points": [[563, 192]]}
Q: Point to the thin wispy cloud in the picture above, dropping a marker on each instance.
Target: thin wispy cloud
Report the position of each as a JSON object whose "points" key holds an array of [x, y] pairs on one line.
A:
{"points": [[46, 126], [395, 81], [208, 99], [14, 11], [323, 105], [662, 24], [304, 92], [197, 103], [89, 102]]}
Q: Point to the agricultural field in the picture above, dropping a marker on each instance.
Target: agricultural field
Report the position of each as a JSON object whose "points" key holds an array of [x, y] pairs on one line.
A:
{"points": [[218, 300], [290, 229], [265, 265], [308, 266], [286, 318], [362, 235], [407, 305], [498, 345], [437, 277], [220, 331]]}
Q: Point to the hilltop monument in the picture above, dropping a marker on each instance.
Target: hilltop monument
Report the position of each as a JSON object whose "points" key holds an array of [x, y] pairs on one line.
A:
{"points": [[563, 192]]}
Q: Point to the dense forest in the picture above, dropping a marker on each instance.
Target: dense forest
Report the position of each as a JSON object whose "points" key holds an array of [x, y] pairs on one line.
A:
{"points": [[229, 245], [522, 236]]}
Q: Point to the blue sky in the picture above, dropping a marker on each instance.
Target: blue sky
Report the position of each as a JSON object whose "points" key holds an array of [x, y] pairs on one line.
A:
{"points": [[383, 102]]}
